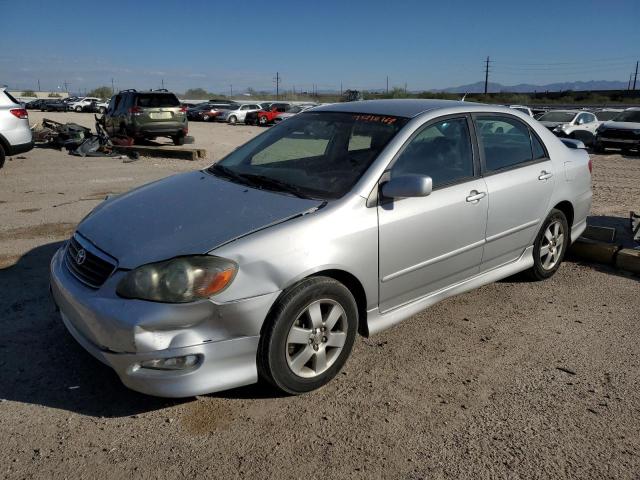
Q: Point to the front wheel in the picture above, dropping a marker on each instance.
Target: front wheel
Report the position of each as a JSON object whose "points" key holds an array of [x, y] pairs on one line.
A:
{"points": [[232, 120], [550, 246], [262, 121], [78, 109], [308, 335]]}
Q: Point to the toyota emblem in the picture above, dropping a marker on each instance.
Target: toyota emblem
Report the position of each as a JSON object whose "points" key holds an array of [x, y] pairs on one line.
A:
{"points": [[81, 256]]}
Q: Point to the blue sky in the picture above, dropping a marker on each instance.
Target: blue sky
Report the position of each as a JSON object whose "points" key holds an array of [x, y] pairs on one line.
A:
{"points": [[214, 44]]}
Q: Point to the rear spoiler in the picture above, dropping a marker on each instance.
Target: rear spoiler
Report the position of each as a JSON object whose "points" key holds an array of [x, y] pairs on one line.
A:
{"points": [[573, 144]]}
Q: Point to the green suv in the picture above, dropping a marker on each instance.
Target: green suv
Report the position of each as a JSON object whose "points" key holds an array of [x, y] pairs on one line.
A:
{"points": [[151, 114]]}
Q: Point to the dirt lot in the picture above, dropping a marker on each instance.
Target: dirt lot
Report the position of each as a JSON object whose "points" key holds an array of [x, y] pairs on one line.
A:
{"points": [[514, 380]]}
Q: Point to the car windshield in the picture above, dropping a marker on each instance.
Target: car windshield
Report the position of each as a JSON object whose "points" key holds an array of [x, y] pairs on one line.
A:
{"points": [[606, 115], [628, 116], [557, 117], [265, 106], [314, 154]]}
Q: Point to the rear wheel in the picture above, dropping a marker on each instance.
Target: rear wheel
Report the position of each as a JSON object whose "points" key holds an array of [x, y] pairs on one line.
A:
{"points": [[1, 156], [205, 118], [262, 121], [102, 110], [78, 109], [178, 139], [308, 336], [550, 246]]}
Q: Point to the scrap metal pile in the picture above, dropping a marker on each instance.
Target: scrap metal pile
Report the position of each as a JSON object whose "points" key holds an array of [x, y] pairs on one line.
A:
{"points": [[78, 140]]}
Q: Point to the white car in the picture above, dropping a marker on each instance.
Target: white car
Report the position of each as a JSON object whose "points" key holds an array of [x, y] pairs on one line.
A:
{"points": [[82, 102], [237, 113], [522, 109], [15, 134], [576, 124]]}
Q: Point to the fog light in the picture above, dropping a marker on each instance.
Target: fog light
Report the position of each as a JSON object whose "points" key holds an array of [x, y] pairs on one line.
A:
{"points": [[172, 363]]}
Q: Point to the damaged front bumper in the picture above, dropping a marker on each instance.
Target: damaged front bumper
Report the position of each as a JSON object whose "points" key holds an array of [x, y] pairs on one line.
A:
{"points": [[126, 333]]}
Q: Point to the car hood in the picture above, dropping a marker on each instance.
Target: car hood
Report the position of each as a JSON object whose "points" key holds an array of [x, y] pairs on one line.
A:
{"points": [[621, 125], [185, 214]]}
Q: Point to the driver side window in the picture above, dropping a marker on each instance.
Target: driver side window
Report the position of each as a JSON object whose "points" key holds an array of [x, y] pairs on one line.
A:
{"points": [[441, 150]]}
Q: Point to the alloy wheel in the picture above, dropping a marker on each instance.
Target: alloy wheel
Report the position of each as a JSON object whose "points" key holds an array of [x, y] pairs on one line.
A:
{"points": [[552, 244], [316, 338]]}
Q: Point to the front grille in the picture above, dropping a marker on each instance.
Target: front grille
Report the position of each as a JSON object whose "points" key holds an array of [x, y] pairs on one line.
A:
{"points": [[91, 268], [619, 133]]}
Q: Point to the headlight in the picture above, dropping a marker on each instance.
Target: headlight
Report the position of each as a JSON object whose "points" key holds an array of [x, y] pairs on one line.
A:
{"points": [[181, 280]]}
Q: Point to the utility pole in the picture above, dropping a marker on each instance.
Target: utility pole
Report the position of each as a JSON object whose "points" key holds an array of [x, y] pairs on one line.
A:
{"points": [[112, 89], [38, 84], [635, 77], [405, 88], [66, 86], [277, 80], [340, 88], [629, 84], [387, 84], [162, 81], [231, 89], [486, 76]]}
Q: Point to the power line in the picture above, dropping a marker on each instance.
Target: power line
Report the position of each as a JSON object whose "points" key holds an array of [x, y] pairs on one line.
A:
{"points": [[486, 76]]}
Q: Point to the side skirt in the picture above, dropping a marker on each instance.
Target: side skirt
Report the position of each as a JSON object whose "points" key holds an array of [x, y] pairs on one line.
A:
{"points": [[377, 321]]}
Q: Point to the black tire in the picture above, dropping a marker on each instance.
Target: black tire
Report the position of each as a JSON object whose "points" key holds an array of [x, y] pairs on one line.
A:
{"points": [[598, 148], [262, 121], [78, 109], [539, 271], [178, 139], [273, 349], [233, 120], [102, 110], [2, 157]]}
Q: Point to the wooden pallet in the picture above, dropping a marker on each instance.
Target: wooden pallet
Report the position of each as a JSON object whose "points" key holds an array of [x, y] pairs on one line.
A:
{"points": [[165, 151]]}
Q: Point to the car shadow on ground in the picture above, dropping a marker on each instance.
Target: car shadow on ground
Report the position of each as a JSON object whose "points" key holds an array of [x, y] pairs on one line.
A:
{"points": [[43, 365]]}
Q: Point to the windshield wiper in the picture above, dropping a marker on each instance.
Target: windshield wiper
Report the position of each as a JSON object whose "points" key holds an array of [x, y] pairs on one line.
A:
{"points": [[262, 180], [230, 174]]}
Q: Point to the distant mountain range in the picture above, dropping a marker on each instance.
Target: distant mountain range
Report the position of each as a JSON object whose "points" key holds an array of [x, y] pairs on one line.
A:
{"points": [[478, 87]]}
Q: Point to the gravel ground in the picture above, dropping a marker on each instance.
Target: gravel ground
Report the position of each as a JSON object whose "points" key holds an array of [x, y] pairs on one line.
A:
{"points": [[513, 380]]}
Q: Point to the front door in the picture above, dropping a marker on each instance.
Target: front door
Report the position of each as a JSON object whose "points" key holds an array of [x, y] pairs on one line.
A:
{"points": [[428, 243]]}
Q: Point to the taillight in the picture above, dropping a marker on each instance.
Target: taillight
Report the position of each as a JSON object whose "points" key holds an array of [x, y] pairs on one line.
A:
{"points": [[590, 165], [135, 110], [20, 113], [183, 109]]}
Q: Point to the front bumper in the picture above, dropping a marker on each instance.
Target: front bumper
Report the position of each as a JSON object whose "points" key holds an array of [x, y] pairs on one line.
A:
{"points": [[604, 141], [122, 333]]}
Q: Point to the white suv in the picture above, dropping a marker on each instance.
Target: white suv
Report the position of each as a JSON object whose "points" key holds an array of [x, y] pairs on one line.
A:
{"points": [[15, 134], [237, 113], [79, 104]]}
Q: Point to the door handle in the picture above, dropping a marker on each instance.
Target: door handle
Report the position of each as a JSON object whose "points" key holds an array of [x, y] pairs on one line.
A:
{"points": [[475, 196], [544, 175]]}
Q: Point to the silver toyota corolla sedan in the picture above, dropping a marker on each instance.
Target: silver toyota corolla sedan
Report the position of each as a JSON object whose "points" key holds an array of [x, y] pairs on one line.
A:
{"points": [[345, 219]]}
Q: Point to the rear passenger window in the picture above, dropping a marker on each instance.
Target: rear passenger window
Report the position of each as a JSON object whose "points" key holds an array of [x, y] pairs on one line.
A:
{"points": [[441, 151], [506, 142], [538, 149]]}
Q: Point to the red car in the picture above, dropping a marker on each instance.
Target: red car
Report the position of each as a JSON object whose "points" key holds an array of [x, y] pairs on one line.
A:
{"points": [[265, 117]]}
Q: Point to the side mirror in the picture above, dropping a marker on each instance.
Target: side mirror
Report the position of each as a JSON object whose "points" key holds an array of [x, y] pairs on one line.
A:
{"points": [[406, 186]]}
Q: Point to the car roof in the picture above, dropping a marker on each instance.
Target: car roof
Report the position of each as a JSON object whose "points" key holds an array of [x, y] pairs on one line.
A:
{"points": [[394, 107], [575, 112]]}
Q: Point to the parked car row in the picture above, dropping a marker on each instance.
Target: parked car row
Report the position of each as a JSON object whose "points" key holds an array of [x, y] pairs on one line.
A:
{"points": [[598, 128], [70, 104], [262, 113]]}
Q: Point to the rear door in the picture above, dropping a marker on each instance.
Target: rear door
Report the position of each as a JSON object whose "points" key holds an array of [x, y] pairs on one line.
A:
{"points": [[519, 177], [428, 243]]}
